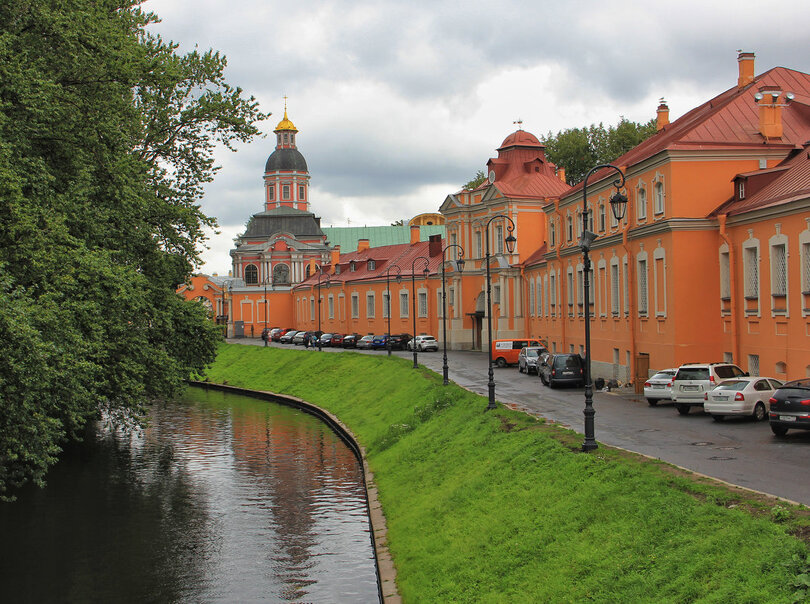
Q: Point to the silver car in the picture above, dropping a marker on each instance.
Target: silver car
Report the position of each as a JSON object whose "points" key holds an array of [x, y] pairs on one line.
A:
{"points": [[659, 387], [529, 357]]}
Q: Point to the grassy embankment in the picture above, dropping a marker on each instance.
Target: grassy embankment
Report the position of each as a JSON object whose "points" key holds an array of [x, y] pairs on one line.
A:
{"points": [[501, 507]]}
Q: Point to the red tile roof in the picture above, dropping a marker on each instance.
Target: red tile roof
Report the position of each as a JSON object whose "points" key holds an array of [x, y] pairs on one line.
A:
{"points": [[728, 121], [793, 184]]}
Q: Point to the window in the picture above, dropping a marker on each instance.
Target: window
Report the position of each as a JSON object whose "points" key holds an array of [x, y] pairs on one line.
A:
{"points": [[499, 238], [659, 198], [251, 274], [753, 364], [331, 305], [778, 270], [626, 286], [540, 304], [569, 222], [552, 232], [641, 203], [451, 296], [281, 274], [552, 293], [660, 282], [805, 254], [602, 225], [370, 306], [352, 266], [372, 265], [725, 275], [453, 239], [478, 252], [531, 297], [741, 189], [271, 192], [301, 192], [355, 306], [642, 288], [422, 301], [285, 191], [496, 294], [403, 304], [614, 289], [312, 309], [439, 304], [386, 305], [751, 267], [570, 283]]}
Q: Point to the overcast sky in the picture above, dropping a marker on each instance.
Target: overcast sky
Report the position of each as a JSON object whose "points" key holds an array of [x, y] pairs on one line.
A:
{"points": [[399, 103]]}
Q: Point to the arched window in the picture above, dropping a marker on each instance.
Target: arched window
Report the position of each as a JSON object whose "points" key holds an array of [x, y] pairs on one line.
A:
{"points": [[281, 274], [251, 274]]}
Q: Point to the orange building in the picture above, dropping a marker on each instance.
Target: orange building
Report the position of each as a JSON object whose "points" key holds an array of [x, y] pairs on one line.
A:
{"points": [[711, 261]]}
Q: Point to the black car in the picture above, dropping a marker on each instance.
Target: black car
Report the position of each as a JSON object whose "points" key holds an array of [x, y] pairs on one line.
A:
{"points": [[350, 340], [400, 341], [790, 407], [559, 369]]}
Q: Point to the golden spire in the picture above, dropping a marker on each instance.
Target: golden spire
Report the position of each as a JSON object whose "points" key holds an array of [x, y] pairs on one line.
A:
{"points": [[286, 124]]}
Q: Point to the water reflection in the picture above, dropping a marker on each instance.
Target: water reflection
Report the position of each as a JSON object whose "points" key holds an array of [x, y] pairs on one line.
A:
{"points": [[222, 498]]}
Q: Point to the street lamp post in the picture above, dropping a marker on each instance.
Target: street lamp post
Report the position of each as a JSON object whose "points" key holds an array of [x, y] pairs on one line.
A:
{"points": [[459, 267], [327, 279], [222, 312], [413, 302], [228, 316], [388, 290], [510, 247], [618, 204], [265, 335]]}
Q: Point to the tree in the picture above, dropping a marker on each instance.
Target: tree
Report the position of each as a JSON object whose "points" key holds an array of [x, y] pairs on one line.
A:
{"points": [[577, 150], [476, 181], [106, 140]]}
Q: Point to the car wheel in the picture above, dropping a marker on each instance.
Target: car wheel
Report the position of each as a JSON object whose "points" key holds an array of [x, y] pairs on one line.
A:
{"points": [[682, 409], [778, 430], [759, 412], [500, 362], [718, 418], [652, 402]]}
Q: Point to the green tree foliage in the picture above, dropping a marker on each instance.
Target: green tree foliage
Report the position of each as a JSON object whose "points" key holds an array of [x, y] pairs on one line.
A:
{"points": [[479, 178], [107, 136], [577, 150]]}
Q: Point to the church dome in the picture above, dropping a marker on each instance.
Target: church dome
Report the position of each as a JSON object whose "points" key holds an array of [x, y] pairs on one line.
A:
{"points": [[521, 138], [287, 160], [286, 124]]}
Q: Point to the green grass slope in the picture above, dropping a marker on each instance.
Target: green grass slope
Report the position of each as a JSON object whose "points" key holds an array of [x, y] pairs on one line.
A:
{"points": [[500, 507]]}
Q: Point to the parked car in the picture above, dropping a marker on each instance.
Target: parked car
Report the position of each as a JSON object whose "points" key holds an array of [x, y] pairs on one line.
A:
{"points": [[529, 357], [379, 342], [693, 380], [298, 339], [790, 407], [273, 333], [659, 386], [505, 352], [287, 338], [351, 340], [400, 341], [740, 396], [276, 337], [564, 368], [324, 340], [424, 343], [365, 342], [337, 340]]}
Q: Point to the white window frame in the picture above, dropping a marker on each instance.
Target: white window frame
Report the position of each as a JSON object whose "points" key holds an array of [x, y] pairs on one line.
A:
{"points": [[643, 284], [659, 195], [752, 273], [331, 304], [371, 305], [660, 297], [641, 201], [355, 305], [779, 245], [615, 287], [422, 303], [404, 304], [386, 305]]}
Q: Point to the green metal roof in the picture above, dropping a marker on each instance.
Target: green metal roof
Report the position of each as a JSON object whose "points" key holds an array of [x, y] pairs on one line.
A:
{"points": [[346, 237]]}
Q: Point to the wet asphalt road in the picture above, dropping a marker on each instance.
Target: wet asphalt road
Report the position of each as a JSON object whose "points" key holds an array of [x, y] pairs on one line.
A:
{"points": [[738, 451]]}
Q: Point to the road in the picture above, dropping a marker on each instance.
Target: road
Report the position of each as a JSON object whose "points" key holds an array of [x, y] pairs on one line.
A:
{"points": [[737, 451]]}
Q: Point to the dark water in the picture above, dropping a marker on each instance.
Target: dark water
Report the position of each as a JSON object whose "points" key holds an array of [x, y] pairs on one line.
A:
{"points": [[221, 499]]}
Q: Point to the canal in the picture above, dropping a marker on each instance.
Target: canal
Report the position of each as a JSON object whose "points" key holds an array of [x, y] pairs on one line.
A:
{"points": [[222, 498]]}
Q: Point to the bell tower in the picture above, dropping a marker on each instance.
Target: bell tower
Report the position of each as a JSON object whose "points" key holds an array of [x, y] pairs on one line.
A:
{"points": [[286, 177]]}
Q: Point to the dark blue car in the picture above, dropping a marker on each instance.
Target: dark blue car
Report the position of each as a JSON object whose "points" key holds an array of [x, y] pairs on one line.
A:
{"points": [[379, 342]]}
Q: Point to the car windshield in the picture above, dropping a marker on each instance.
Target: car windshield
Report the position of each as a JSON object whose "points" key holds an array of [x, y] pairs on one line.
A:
{"points": [[693, 373], [568, 362], [428, 338], [732, 385], [662, 376], [532, 352]]}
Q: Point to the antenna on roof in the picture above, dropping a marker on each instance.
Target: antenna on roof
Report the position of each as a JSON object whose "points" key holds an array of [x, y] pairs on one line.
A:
{"points": [[519, 123]]}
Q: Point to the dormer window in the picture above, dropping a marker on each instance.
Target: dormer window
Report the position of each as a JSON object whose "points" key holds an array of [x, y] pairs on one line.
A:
{"points": [[372, 264], [352, 266], [337, 269], [741, 189]]}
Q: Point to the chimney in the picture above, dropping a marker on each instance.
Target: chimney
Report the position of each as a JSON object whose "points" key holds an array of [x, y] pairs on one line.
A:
{"points": [[335, 259], [415, 234], [434, 245], [770, 111], [662, 115], [312, 265], [362, 245], [746, 64], [561, 173]]}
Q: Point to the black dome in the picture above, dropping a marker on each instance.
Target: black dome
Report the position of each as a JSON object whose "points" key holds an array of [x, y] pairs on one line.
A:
{"points": [[286, 159]]}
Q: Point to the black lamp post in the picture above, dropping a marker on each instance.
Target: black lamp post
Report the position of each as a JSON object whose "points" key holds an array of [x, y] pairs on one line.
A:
{"points": [[413, 302], [327, 279], [265, 335], [388, 290], [222, 312], [618, 204], [459, 267], [510, 247], [230, 307]]}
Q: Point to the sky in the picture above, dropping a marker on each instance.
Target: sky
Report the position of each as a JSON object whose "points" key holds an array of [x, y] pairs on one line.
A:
{"points": [[397, 104]]}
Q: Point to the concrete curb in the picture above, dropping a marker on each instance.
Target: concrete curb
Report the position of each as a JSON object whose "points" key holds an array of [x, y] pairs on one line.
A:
{"points": [[386, 570]]}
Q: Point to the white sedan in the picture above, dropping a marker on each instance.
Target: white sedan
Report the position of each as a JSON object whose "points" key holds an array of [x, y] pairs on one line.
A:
{"points": [[740, 396], [659, 387]]}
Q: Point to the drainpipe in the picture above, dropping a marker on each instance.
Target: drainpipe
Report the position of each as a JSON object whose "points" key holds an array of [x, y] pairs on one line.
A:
{"points": [[631, 298], [525, 306], [732, 274]]}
